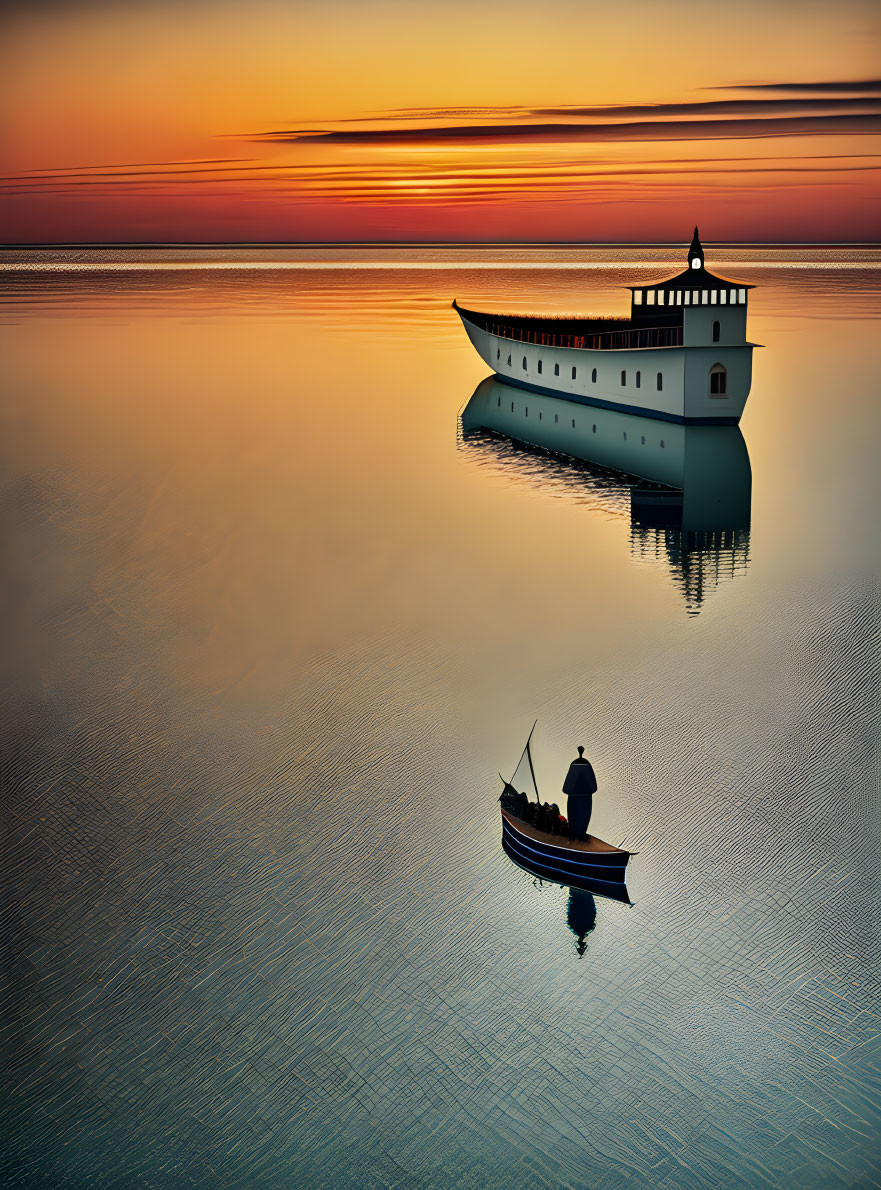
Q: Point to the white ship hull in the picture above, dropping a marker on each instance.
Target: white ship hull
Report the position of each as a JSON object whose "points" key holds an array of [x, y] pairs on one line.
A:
{"points": [[627, 380]]}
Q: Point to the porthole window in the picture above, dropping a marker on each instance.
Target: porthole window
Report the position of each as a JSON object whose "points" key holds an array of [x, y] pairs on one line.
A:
{"points": [[717, 331], [638, 378], [593, 376], [556, 369], [573, 373], [660, 382]]}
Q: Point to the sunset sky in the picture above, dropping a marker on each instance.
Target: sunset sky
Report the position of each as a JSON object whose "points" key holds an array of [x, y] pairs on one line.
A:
{"points": [[300, 121]]}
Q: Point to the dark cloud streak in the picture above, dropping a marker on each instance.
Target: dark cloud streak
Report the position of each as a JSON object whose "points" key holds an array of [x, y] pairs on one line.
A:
{"points": [[641, 130], [855, 87]]}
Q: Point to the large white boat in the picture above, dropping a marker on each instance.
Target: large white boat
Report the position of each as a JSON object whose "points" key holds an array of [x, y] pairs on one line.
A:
{"points": [[681, 356]]}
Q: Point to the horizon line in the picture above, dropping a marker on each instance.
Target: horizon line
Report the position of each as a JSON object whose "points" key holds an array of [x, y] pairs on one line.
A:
{"points": [[98, 244]]}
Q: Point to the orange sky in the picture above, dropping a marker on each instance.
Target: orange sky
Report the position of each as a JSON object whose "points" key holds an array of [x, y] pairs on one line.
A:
{"points": [[200, 121]]}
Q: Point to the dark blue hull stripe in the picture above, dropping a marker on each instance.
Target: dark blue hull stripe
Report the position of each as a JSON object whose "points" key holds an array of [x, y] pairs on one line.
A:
{"points": [[616, 406], [567, 854], [616, 890]]}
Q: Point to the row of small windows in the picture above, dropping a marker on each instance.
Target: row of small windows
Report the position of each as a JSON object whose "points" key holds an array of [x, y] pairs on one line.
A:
{"points": [[593, 375], [689, 297], [659, 381]]}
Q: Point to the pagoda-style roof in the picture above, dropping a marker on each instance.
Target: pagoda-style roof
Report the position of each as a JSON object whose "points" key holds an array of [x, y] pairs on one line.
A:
{"points": [[696, 276], [699, 278]]}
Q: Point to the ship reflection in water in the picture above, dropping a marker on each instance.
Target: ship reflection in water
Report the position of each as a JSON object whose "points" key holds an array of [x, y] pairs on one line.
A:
{"points": [[690, 486]]}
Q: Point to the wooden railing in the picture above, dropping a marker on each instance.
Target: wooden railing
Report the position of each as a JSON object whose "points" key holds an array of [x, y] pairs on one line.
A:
{"points": [[658, 336]]}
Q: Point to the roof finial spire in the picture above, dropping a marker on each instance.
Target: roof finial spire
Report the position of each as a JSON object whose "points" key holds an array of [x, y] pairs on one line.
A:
{"points": [[696, 253]]}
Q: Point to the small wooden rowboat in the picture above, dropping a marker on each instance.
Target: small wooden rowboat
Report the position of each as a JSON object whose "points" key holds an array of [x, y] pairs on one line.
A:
{"points": [[591, 864]]}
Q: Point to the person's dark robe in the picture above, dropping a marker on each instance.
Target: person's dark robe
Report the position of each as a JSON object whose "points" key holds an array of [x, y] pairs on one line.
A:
{"points": [[580, 786]]}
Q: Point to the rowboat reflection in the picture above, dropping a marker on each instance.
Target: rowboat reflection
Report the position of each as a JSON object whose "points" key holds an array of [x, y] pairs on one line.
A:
{"points": [[687, 488]]}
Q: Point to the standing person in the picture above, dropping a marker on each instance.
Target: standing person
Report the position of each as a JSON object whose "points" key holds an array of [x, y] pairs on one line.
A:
{"points": [[580, 786]]}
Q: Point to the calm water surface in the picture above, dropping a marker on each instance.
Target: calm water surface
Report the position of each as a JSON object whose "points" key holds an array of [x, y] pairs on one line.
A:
{"points": [[275, 623]]}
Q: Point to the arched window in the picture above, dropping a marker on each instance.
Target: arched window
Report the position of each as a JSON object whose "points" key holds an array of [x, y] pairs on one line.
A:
{"points": [[593, 376], [539, 367], [556, 369], [498, 353], [718, 381], [717, 331], [573, 373], [509, 361], [660, 382], [638, 378], [524, 363], [623, 377]]}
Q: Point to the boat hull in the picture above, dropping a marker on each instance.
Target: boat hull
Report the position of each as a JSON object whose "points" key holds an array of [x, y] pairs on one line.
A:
{"points": [[615, 890], [568, 372], [595, 871]]}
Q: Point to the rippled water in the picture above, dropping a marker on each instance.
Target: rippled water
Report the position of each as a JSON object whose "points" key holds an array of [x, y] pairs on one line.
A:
{"points": [[276, 618]]}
